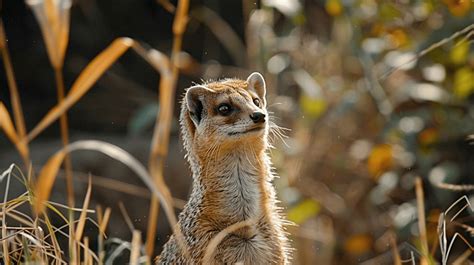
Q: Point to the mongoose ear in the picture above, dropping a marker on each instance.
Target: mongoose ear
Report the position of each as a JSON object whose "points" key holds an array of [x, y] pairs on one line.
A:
{"points": [[257, 84], [194, 97]]}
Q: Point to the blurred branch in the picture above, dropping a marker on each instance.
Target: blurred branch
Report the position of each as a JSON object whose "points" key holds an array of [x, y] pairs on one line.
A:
{"points": [[468, 31], [167, 5], [454, 187], [120, 186], [373, 86], [223, 31], [219, 27]]}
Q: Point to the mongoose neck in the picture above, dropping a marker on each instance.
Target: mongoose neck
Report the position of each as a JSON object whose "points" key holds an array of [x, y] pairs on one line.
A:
{"points": [[234, 184]]}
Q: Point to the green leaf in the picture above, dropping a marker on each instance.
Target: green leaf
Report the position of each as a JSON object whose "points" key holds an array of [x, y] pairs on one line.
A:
{"points": [[459, 53], [463, 82], [313, 107], [303, 211]]}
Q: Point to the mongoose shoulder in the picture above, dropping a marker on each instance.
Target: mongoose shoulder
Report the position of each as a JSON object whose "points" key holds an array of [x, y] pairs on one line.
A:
{"points": [[225, 128]]}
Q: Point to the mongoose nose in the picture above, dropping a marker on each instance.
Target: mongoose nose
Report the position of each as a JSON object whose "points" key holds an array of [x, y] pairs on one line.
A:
{"points": [[257, 117]]}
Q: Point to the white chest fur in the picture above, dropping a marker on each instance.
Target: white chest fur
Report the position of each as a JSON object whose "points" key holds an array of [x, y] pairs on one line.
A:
{"points": [[240, 188]]}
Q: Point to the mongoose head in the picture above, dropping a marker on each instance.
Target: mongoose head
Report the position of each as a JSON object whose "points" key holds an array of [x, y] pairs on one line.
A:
{"points": [[227, 114]]}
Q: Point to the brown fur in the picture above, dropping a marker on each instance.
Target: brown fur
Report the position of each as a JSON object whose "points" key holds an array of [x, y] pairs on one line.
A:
{"points": [[232, 178]]}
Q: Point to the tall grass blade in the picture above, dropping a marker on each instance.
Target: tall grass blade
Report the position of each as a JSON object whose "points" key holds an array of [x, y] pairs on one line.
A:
{"points": [[54, 240], [46, 179], [7, 173], [422, 220], [87, 257], [53, 16], [126, 217], [105, 220], [14, 94], [6, 125], [93, 71], [397, 260], [135, 251], [63, 122], [160, 140], [50, 170], [82, 217]]}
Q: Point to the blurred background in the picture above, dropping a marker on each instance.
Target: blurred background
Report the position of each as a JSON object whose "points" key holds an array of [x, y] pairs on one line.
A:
{"points": [[374, 93]]}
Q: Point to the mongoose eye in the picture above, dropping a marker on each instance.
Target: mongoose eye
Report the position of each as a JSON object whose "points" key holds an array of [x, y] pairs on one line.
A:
{"points": [[224, 109], [256, 101]]}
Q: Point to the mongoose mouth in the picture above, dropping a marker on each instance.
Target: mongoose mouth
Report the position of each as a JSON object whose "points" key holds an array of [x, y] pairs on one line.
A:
{"points": [[247, 131]]}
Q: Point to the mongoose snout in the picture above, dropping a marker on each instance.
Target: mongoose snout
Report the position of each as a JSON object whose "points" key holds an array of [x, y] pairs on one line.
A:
{"points": [[258, 117]]}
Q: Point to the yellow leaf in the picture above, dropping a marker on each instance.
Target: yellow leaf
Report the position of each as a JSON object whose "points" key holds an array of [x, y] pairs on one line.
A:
{"points": [[458, 8], [428, 136], [312, 107], [53, 17], [459, 53], [358, 244], [93, 71], [46, 179], [463, 82], [380, 159], [398, 37], [333, 7], [303, 211], [378, 29], [6, 125]]}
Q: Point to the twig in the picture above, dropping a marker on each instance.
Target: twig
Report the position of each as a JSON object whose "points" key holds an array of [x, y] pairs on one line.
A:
{"points": [[454, 187], [466, 30]]}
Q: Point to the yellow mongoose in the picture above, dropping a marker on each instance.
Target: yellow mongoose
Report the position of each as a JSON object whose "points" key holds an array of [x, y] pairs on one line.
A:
{"points": [[225, 128]]}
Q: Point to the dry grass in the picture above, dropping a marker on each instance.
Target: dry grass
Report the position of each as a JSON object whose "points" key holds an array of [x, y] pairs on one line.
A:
{"points": [[445, 218], [28, 237], [15, 99], [53, 18], [420, 199], [217, 239]]}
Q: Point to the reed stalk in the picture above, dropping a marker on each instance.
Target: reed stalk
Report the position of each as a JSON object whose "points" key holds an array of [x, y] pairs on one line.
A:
{"points": [[160, 141], [14, 95], [63, 121], [422, 221]]}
